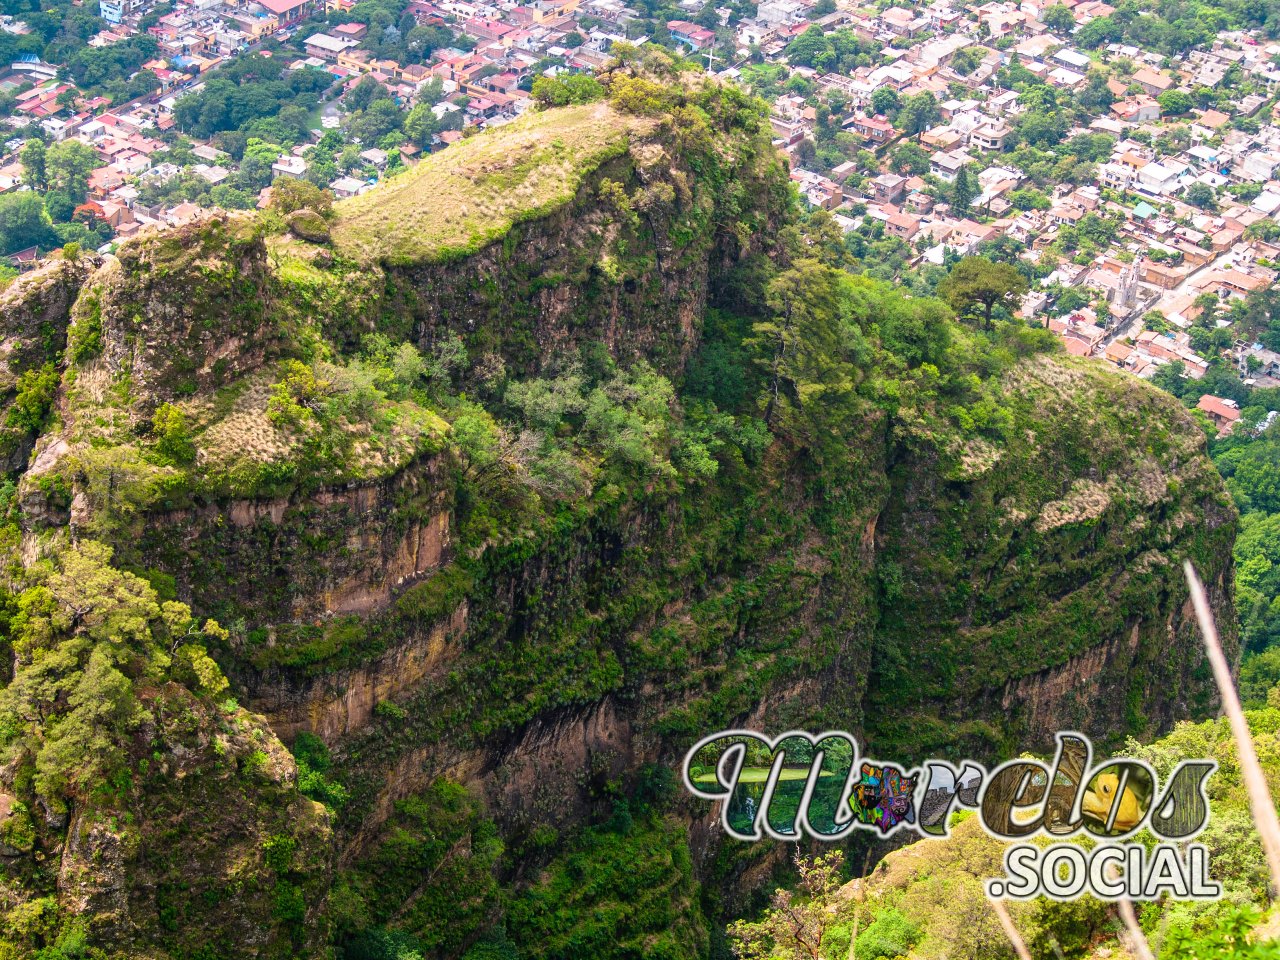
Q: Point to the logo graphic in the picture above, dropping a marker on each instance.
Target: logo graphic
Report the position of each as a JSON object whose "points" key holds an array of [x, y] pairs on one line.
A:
{"points": [[800, 784]]}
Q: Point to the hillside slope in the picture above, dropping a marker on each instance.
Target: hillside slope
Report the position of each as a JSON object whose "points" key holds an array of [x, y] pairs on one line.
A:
{"points": [[494, 501], [928, 900]]}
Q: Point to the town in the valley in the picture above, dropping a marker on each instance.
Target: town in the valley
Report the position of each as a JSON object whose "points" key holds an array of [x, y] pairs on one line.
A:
{"points": [[1126, 162]]}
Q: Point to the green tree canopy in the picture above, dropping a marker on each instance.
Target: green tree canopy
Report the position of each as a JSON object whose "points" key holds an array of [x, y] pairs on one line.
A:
{"points": [[1058, 18], [1201, 195], [1174, 103], [919, 113], [24, 222], [35, 170], [910, 159], [69, 164], [977, 285], [963, 191]]}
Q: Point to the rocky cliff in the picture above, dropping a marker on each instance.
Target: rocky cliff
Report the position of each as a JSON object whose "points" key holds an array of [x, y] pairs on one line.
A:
{"points": [[473, 549]]}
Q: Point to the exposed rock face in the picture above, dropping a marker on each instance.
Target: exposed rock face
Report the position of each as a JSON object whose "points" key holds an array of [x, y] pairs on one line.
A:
{"points": [[558, 281], [1047, 698], [93, 873], [341, 703], [939, 616], [187, 308], [1048, 574], [34, 312], [631, 262], [195, 851], [343, 551]]}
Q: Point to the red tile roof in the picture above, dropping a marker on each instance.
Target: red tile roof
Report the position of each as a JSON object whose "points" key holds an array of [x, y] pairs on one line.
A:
{"points": [[1217, 407]]}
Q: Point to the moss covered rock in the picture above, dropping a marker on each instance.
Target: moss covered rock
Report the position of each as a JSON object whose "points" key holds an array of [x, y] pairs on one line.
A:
{"points": [[187, 308], [309, 225]]}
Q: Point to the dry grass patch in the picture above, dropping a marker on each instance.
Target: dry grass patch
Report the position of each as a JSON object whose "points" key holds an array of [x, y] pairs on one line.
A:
{"points": [[453, 203], [243, 433], [236, 436]]}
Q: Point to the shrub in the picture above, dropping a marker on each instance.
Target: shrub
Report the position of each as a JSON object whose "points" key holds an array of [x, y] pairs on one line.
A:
{"points": [[891, 934], [36, 389], [562, 91], [314, 762], [84, 338], [173, 436], [293, 196], [278, 851]]}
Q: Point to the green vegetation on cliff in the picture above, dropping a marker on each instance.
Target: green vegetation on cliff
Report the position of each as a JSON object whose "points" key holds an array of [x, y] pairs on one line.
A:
{"points": [[497, 490], [121, 753], [927, 900]]}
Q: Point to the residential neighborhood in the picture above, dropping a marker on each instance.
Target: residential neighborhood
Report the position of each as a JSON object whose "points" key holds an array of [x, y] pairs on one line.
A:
{"points": [[1131, 174]]}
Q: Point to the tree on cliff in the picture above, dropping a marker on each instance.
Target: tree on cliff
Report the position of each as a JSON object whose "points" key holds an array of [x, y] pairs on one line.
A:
{"points": [[795, 922], [810, 351], [86, 638], [977, 284]]}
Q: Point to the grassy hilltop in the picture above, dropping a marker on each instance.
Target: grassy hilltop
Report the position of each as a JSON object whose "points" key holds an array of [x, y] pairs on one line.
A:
{"points": [[453, 203]]}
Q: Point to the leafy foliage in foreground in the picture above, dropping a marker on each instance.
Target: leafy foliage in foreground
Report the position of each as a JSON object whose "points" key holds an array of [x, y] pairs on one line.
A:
{"points": [[927, 900], [85, 636]]}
